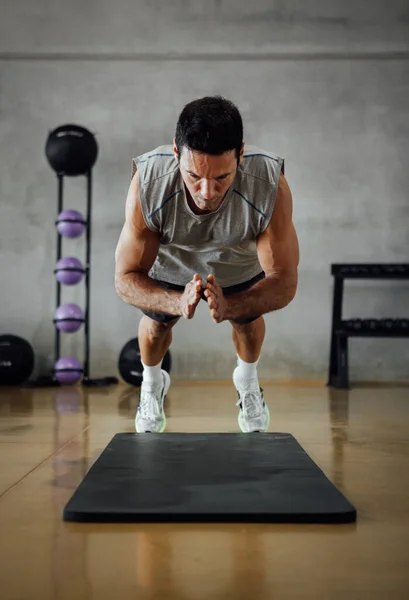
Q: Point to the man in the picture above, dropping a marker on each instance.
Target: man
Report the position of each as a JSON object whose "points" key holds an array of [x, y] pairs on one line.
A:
{"points": [[206, 219]]}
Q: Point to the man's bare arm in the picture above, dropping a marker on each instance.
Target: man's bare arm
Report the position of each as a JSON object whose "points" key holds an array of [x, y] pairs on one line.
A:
{"points": [[278, 253], [135, 254]]}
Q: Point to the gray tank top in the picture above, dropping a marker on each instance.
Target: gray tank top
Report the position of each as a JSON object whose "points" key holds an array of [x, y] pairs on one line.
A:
{"points": [[222, 243]]}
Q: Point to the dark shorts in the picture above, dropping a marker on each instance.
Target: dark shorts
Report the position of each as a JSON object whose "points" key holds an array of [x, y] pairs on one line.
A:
{"points": [[227, 291]]}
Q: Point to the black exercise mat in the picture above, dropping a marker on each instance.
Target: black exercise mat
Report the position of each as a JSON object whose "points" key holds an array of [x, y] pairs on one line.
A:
{"points": [[177, 477]]}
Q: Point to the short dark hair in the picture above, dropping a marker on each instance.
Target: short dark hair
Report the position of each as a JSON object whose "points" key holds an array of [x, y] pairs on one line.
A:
{"points": [[211, 125]]}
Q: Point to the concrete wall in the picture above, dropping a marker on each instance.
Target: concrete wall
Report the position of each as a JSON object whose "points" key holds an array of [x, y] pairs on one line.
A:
{"points": [[324, 84]]}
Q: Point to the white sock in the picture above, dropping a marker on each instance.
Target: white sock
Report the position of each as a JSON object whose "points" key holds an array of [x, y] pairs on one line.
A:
{"points": [[152, 375], [246, 372]]}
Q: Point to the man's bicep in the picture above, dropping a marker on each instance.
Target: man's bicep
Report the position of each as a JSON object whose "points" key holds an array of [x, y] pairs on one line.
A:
{"points": [[278, 252], [277, 246], [138, 245], [136, 250]]}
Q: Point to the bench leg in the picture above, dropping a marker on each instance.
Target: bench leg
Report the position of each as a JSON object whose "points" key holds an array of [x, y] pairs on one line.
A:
{"points": [[342, 356], [333, 362]]}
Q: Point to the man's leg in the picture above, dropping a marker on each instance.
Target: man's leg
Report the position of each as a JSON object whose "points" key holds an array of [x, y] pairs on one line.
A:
{"points": [[154, 338], [248, 339]]}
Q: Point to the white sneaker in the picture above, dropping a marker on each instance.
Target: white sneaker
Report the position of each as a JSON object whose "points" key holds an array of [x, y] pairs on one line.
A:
{"points": [[150, 416], [254, 414]]}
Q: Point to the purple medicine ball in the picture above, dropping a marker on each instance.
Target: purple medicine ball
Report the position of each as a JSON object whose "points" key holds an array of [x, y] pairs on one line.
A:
{"points": [[68, 317], [68, 370], [68, 225], [74, 273]]}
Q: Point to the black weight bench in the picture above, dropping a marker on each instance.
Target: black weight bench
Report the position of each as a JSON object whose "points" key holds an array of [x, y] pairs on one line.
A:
{"points": [[342, 330]]}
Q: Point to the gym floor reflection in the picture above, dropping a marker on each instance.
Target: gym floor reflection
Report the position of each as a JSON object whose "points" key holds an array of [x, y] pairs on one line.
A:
{"points": [[49, 438]]}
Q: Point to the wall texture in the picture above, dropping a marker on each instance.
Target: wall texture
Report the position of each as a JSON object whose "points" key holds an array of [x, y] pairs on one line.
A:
{"points": [[324, 84]]}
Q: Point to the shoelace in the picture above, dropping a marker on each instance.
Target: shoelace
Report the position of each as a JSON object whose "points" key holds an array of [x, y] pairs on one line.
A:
{"points": [[251, 403], [149, 405]]}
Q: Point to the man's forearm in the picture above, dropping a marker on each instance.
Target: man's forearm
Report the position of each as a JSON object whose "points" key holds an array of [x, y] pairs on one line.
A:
{"points": [[273, 292], [140, 290]]}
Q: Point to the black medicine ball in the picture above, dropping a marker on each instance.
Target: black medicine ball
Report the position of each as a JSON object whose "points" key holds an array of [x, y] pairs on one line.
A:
{"points": [[130, 365], [71, 150], [16, 360]]}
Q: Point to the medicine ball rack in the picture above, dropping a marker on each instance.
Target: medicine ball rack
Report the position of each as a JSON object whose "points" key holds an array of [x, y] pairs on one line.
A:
{"points": [[86, 380], [343, 329], [71, 151]]}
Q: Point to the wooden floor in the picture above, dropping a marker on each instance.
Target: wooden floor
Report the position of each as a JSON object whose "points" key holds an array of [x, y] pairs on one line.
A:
{"points": [[50, 437]]}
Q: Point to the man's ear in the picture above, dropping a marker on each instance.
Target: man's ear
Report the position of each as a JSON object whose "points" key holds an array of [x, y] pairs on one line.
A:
{"points": [[241, 153], [175, 150]]}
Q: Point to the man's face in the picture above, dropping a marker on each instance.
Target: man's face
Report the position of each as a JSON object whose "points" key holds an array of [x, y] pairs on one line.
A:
{"points": [[207, 177]]}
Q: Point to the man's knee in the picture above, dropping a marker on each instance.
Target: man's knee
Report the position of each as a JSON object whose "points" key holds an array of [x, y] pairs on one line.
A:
{"points": [[158, 329], [246, 325]]}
